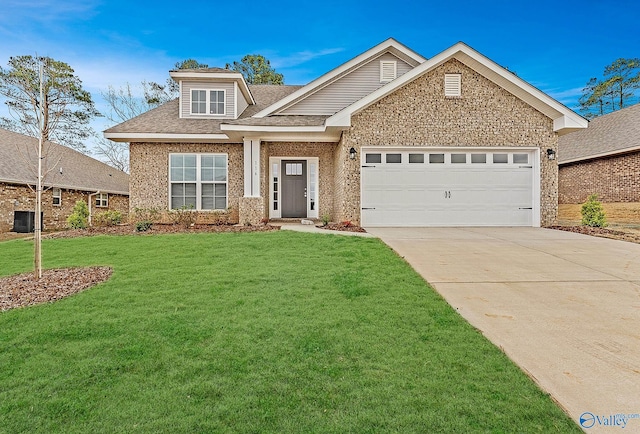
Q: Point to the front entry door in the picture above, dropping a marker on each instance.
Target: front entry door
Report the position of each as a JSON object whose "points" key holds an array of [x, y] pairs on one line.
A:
{"points": [[294, 188]]}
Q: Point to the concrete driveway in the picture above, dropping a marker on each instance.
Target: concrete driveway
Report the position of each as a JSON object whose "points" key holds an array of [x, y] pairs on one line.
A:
{"points": [[565, 307]]}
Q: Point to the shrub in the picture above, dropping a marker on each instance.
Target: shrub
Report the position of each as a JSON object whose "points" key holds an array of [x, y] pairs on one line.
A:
{"points": [[184, 216], [592, 213], [107, 218], [143, 226], [325, 219], [78, 218], [146, 214]]}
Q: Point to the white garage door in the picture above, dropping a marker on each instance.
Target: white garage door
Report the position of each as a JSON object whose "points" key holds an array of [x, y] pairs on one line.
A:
{"points": [[447, 188]]}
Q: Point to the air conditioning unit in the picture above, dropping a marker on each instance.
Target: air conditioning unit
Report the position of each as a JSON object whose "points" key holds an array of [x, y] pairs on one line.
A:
{"points": [[25, 221]]}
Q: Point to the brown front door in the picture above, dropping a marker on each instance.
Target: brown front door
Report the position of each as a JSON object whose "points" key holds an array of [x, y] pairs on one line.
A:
{"points": [[294, 188]]}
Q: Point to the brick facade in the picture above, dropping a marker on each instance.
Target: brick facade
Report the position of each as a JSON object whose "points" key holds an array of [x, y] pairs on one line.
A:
{"points": [[21, 198], [419, 114], [613, 179]]}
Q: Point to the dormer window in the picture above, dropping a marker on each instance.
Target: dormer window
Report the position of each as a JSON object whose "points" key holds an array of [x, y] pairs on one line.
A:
{"points": [[214, 100]]}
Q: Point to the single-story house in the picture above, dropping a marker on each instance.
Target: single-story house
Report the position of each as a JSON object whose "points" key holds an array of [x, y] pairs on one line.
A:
{"points": [[388, 138], [604, 159], [70, 176]]}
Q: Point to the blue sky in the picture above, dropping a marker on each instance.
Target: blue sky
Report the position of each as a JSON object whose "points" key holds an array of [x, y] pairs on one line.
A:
{"points": [[554, 45]]}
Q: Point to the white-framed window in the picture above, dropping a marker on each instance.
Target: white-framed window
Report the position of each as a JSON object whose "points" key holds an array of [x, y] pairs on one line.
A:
{"points": [[102, 200], [453, 85], [57, 196], [211, 102], [388, 71], [198, 181]]}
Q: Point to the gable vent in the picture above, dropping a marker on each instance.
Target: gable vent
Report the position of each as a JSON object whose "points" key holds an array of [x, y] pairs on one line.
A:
{"points": [[452, 84], [388, 71]]}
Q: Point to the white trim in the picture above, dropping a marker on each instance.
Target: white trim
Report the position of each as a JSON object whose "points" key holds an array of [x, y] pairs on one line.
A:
{"points": [[180, 99], [255, 168], [235, 100], [274, 214], [266, 128], [54, 196], [213, 76], [159, 137], [563, 117], [99, 197], [329, 76], [452, 85], [207, 103]]}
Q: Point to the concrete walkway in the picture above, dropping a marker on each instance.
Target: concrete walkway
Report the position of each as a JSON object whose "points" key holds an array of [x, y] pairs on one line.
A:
{"points": [[565, 307]]}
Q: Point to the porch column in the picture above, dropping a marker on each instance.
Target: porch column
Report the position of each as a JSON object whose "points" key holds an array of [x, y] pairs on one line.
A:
{"points": [[251, 168]]}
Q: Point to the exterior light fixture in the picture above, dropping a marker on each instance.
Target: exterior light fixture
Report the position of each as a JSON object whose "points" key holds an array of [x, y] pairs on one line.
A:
{"points": [[352, 153], [551, 154]]}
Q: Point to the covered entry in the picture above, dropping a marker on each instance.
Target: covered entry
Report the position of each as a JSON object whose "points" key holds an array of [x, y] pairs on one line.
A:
{"points": [[449, 187]]}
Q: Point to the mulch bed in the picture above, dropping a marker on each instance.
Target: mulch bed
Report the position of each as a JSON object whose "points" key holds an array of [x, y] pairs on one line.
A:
{"points": [[25, 290], [344, 227], [600, 232]]}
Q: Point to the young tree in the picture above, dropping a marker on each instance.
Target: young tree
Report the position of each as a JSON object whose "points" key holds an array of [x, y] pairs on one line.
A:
{"points": [[67, 108], [256, 70], [617, 90], [46, 100]]}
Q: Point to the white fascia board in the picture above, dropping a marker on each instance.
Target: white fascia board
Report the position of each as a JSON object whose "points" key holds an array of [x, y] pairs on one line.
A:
{"points": [[329, 76], [160, 137], [568, 118], [275, 129], [216, 76], [63, 186]]}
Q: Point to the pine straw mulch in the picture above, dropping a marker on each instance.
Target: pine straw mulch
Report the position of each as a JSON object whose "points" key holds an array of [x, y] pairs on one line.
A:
{"points": [[25, 290], [343, 227], [601, 232]]}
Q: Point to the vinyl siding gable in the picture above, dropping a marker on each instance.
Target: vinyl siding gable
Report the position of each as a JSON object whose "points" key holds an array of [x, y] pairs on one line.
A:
{"points": [[228, 87], [347, 89]]}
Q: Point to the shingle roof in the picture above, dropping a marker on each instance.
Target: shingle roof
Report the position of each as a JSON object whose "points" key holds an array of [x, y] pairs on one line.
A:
{"points": [[223, 70], [18, 157], [609, 134], [166, 118]]}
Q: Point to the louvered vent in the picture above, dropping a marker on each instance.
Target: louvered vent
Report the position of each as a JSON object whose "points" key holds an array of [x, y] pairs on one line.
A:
{"points": [[388, 71], [452, 85]]}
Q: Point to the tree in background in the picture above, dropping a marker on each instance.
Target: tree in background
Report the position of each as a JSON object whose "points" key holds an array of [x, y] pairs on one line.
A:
{"points": [[67, 108], [256, 70], [123, 104], [618, 89]]}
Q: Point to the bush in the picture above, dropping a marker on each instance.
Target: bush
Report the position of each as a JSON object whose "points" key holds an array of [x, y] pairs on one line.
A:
{"points": [[78, 219], [184, 216], [143, 226], [592, 213], [108, 218], [147, 215]]}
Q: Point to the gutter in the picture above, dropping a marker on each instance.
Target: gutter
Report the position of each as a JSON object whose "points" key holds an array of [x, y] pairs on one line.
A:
{"points": [[90, 202]]}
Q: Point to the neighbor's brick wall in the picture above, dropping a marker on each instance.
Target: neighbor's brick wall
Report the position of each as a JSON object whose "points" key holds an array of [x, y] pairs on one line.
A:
{"points": [[418, 114], [323, 151], [149, 181], [55, 217], [613, 179]]}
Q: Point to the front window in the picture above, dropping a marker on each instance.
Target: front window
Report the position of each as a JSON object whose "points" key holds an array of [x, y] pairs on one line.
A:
{"points": [[213, 99], [57, 196], [102, 200], [198, 181]]}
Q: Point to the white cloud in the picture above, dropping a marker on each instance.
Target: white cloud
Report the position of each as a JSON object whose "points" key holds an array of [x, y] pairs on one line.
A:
{"points": [[46, 11], [301, 57]]}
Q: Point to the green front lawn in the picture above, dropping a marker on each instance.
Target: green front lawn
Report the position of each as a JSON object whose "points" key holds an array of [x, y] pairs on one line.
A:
{"points": [[256, 332]]}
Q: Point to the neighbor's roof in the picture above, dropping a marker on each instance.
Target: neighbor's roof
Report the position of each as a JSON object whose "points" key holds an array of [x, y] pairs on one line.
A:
{"points": [[610, 134], [166, 119], [18, 159]]}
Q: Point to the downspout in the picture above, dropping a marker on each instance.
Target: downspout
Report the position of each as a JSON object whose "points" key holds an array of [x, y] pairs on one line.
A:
{"points": [[90, 202]]}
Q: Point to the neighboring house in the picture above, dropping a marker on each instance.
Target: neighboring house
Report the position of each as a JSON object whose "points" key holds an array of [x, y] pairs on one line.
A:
{"points": [[603, 159], [71, 176], [387, 139]]}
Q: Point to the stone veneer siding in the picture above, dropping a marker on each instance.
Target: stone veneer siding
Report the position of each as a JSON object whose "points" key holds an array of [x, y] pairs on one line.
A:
{"points": [[149, 181], [418, 114], [613, 179], [54, 216], [323, 151]]}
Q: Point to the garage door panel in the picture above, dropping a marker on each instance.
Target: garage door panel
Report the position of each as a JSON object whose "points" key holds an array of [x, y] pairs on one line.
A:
{"points": [[447, 194]]}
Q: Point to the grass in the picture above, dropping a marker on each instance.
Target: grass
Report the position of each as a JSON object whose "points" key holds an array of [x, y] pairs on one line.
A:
{"points": [[265, 332]]}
